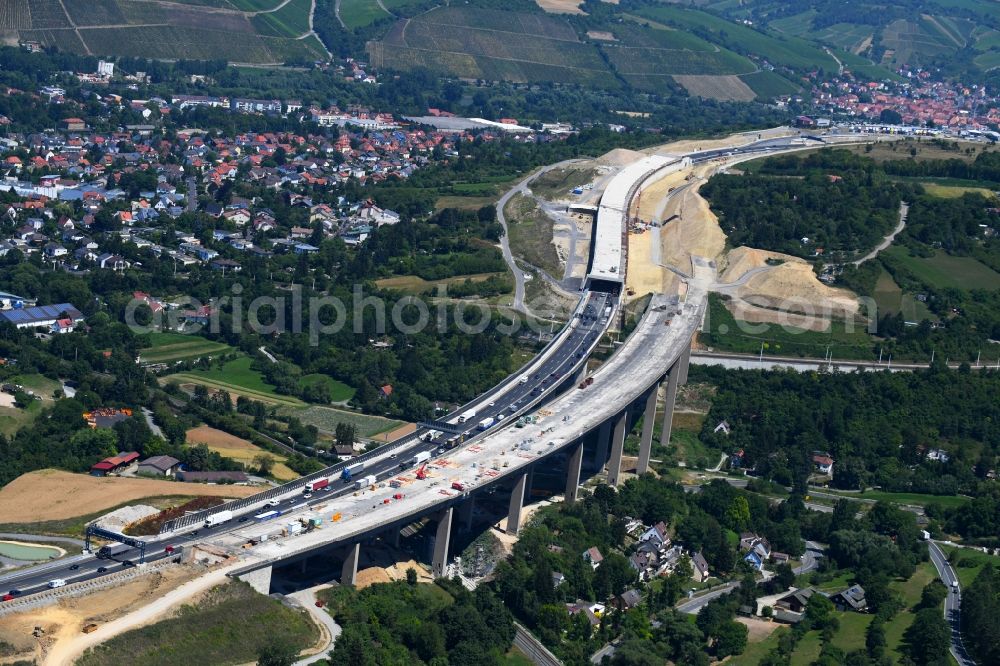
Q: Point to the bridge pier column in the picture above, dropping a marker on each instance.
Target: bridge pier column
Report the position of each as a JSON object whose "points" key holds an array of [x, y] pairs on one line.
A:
{"points": [[573, 466], [465, 510], [442, 540], [603, 443], [685, 361], [646, 440], [516, 504], [617, 448], [669, 399], [349, 573]]}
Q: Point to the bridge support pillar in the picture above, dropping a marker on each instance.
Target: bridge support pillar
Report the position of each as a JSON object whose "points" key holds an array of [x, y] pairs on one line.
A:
{"points": [[349, 574], [580, 375], [516, 503], [603, 442], [646, 440], [442, 540], [573, 466], [259, 580], [685, 361], [617, 447], [465, 510], [669, 399]]}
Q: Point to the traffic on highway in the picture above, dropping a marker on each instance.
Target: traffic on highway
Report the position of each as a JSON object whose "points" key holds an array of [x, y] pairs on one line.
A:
{"points": [[503, 404]]}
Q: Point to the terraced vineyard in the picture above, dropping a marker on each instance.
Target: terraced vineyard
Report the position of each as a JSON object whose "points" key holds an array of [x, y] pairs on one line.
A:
{"points": [[252, 31], [468, 43]]}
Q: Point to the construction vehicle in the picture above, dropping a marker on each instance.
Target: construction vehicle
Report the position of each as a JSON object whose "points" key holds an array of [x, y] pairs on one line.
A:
{"points": [[422, 472]]}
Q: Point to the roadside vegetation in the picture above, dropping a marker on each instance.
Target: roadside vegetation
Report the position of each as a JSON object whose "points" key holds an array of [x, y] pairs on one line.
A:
{"points": [[223, 627]]}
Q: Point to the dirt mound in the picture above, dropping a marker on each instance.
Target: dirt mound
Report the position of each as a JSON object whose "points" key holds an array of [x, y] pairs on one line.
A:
{"points": [[619, 157], [743, 259], [794, 287], [50, 494], [695, 232]]}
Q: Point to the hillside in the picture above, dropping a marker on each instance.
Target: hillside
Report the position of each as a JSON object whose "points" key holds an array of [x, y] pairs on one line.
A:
{"points": [[962, 37], [250, 31], [645, 46]]}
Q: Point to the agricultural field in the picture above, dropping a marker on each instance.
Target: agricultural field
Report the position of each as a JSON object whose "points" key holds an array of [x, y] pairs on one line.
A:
{"points": [[914, 41], [50, 494], [202, 30], [327, 418], [722, 87], [238, 379], [171, 347], [943, 271], [788, 51], [359, 13], [465, 42], [291, 20], [768, 85], [14, 15], [890, 299], [339, 391], [238, 449]]}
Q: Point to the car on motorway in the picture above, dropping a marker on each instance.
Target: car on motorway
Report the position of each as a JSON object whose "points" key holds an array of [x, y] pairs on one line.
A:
{"points": [[74, 567], [56, 582], [14, 593], [242, 519], [102, 569], [8, 597], [307, 496]]}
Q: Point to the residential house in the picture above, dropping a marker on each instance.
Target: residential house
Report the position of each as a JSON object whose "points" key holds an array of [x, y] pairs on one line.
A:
{"points": [[593, 557], [757, 548], [823, 463], [592, 611], [628, 599], [796, 600], [853, 598], [699, 567]]}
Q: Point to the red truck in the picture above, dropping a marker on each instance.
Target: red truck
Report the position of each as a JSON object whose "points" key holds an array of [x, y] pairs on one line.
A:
{"points": [[318, 484]]}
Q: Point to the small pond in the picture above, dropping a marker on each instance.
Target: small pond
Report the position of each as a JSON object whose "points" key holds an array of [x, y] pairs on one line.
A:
{"points": [[27, 552]]}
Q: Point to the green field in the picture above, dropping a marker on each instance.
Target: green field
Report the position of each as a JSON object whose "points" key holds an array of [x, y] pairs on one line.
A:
{"points": [[291, 20], [416, 285], [339, 391], [359, 13], [169, 347], [889, 298], [327, 418], [943, 271], [725, 334], [967, 562], [492, 45], [768, 85], [916, 499], [788, 51], [238, 378], [224, 627]]}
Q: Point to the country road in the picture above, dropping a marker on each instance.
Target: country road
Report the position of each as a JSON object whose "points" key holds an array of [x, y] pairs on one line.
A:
{"points": [[904, 209], [508, 256], [952, 604]]}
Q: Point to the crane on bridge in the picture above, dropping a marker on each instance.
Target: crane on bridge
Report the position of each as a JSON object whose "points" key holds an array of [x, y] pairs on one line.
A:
{"points": [[422, 472]]}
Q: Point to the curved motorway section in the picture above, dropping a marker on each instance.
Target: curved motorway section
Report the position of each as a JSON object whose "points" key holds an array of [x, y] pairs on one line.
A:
{"points": [[596, 417]]}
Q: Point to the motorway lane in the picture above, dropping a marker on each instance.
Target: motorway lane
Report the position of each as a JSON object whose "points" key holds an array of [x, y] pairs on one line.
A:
{"points": [[500, 399], [506, 398], [952, 604]]}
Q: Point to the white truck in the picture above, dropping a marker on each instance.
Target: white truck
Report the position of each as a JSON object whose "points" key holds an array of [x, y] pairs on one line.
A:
{"points": [[421, 457], [487, 423], [56, 582], [467, 415], [218, 518], [364, 482]]}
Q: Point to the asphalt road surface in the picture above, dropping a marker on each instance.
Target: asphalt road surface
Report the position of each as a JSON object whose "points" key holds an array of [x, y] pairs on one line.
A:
{"points": [[952, 603]]}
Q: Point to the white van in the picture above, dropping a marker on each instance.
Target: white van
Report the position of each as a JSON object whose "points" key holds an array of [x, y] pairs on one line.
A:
{"points": [[57, 582], [274, 502]]}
